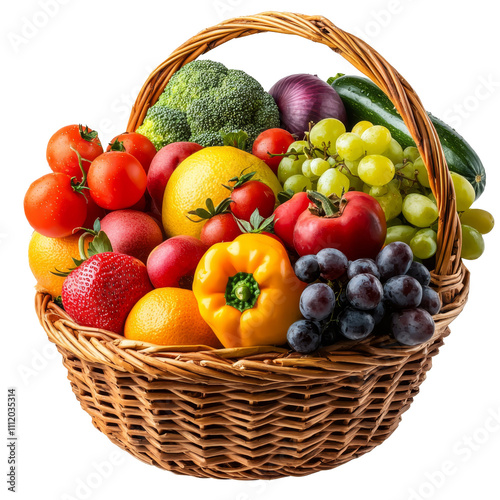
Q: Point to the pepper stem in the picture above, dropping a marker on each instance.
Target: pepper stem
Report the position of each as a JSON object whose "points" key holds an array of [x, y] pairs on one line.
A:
{"points": [[242, 291]]}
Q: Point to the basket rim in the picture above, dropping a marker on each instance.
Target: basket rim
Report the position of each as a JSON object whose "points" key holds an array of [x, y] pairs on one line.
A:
{"points": [[103, 347]]}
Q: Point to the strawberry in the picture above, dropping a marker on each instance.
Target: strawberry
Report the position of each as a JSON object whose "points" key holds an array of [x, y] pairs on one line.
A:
{"points": [[102, 290]]}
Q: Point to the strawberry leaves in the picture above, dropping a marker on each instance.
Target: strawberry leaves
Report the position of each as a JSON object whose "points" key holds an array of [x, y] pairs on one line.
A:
{"points": [[99, 244]]}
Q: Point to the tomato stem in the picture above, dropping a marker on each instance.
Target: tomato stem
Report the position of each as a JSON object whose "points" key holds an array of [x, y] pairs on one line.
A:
{"points": [[117, 146], [87, 134], [78, 187], [257, 223], [323, 203], [211, 211], [331, 206], [239, 181]]}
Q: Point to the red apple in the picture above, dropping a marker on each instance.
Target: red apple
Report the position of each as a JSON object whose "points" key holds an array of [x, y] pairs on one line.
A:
{"points": [[163, 164], [132, 232], [173, 262]]}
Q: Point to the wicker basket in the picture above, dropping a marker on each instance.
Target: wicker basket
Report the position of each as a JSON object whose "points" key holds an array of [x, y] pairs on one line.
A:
{"points": [[262, 413]]}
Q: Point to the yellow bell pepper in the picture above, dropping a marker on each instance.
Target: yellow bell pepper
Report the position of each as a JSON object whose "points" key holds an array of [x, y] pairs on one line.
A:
{"points": [[247, 291]]}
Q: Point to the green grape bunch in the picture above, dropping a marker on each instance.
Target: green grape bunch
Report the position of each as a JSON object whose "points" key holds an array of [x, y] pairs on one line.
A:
{"points": [[332, 161]]}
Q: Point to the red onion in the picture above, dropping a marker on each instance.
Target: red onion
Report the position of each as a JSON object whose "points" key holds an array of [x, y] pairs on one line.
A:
{"points": [[306, 98]]}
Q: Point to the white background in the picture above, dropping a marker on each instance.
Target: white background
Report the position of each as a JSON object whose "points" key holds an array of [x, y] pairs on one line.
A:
{"points": [[84, 63]]}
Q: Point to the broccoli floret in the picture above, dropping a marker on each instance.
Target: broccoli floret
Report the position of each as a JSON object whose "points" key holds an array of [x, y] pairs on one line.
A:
{"points": [[207, 139], [164, 125], [225, 108], [213, 100], [191, 82], [236, 79], [201, 119], [266, 114]]}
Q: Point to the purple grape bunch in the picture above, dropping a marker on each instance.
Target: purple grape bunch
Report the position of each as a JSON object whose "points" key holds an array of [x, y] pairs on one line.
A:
{"points": [[349, 300]]}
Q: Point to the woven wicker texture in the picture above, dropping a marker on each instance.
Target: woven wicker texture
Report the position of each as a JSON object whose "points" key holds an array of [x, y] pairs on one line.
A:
{"points": [[262, 413]]}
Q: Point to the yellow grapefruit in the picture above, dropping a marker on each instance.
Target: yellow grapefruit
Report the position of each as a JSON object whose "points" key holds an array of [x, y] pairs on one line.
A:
{"points": [[201, 176]]}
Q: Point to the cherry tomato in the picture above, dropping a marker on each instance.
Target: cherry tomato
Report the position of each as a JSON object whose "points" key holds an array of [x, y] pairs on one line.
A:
{"points": [[274, 141], [356, 226], [63, 159], [54, 206], [286, 215], [222, 227], [116, 180], [252, 195], [137, 145]]}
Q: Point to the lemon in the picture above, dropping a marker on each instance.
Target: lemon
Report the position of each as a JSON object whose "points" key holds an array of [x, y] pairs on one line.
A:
{"points": [[201, 176]]}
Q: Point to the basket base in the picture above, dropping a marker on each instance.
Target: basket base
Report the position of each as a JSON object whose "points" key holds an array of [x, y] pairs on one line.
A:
{"points": [[250, 471], [252, 430]]}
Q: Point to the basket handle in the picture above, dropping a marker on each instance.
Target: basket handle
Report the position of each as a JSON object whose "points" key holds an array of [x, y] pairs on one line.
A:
{"points": [[374, 66]]}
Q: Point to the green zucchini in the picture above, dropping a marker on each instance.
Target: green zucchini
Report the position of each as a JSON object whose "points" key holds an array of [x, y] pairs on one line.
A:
{"points": [[363, 100]]}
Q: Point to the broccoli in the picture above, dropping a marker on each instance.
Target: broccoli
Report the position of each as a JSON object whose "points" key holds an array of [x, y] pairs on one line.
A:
{"points": [[205, 100], [164, 125]]}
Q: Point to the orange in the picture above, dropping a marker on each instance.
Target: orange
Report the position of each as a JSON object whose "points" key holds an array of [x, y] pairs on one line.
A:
{"points": [[48, 254], [169, 316], [201, 176]]}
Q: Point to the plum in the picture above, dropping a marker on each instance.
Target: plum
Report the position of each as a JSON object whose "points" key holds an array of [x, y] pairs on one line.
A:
{"points": [[132, 232]]}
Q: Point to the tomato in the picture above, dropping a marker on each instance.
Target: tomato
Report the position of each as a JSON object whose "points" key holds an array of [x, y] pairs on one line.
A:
{"points": [[274, 141], [355, 225], [286, 215], [137, 145], [54, 206], [251, 195], [221, 227], [63, 159], [116, 180]]}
